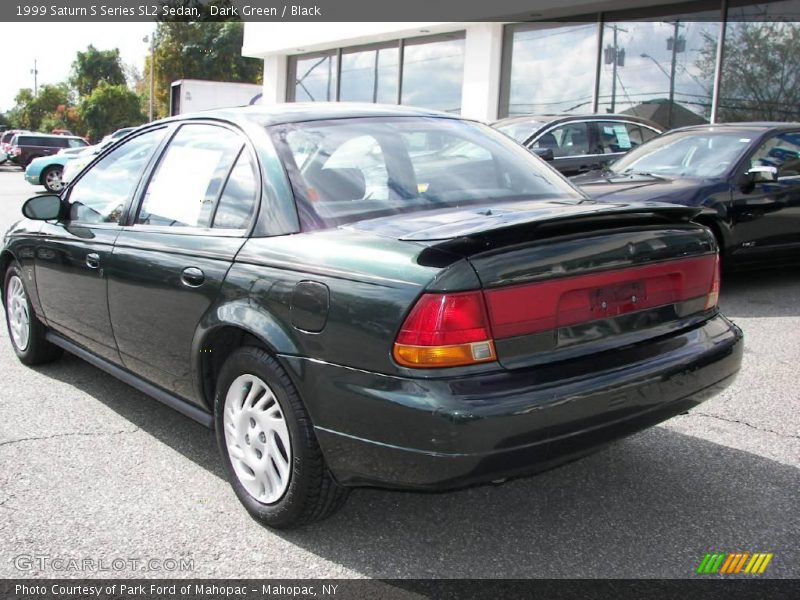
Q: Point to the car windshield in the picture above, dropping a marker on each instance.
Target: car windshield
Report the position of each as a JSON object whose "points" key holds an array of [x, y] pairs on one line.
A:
{"points": [[519, 130], [693, 153], [348, 170]]}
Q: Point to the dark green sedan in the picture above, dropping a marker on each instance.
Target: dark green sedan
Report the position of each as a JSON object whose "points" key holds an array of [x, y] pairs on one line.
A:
{"points": [[368, 296]]}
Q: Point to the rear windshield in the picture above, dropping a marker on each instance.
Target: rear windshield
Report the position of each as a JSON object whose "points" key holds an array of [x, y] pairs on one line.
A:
{"points": [[519, 130], [349, 170]]}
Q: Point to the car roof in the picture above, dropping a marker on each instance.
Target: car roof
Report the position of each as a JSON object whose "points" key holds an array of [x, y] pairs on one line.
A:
{"points": [[552, 118], [747, 126], [298, 112], [48, 135]]}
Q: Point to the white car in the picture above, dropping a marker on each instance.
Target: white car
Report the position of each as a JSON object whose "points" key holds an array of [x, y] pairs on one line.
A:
{"points": [[83, 158]]}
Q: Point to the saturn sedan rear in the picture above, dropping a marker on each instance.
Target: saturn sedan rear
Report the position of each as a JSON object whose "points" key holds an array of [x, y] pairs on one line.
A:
{"points": [[363, 295]]}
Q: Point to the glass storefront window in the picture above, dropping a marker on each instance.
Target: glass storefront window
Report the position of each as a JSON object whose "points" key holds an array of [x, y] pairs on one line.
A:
{"points": [[370, 75], [552, 69], [659, 70], [433, 72], [314, 78], [760, 76]]}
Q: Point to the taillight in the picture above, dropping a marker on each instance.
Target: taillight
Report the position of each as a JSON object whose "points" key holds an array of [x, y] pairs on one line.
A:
{"points": [[713, 294], [445, 330]]}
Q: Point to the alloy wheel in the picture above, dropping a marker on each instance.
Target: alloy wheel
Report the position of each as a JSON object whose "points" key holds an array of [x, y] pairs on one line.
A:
{"points": [[52, 180], [17, 310], [257, 439]]}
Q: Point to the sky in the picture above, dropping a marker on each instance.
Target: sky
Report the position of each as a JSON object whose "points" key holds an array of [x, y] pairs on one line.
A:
{"points": [[54, 46]]}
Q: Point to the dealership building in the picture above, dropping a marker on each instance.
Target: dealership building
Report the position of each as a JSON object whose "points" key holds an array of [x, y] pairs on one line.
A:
{"points": [[675, 63]]}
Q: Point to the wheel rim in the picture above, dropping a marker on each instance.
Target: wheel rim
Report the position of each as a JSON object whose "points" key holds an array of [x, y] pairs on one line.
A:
{"points": [[19, 320], [52, 180], [257, 439]]}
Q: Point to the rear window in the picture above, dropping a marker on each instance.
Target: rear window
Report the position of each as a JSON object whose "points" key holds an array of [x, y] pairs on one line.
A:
{"points": [[349, 170], [520, 131]]}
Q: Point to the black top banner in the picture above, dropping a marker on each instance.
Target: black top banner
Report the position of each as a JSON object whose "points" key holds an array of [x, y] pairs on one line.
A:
{"points": [[365, 10]]}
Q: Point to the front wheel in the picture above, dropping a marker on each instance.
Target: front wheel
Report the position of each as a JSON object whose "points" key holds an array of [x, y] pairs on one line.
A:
{"points": [[51, 178], [268, 446], [26, 331]]}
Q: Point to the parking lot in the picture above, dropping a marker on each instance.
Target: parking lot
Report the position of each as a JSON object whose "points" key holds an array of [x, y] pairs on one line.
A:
{"points": [[92, 469]]}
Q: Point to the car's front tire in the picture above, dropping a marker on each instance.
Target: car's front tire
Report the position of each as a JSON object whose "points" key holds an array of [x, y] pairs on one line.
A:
{"points": [[27, 333], [51, 179], [268, 446]]}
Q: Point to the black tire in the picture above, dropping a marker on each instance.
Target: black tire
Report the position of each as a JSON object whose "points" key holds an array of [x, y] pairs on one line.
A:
{"points": [[45, 176], [312, 493], [37, 350]]}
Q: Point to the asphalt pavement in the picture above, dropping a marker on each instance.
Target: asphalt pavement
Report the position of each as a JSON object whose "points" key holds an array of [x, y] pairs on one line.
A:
{"points": [[95, 476]]}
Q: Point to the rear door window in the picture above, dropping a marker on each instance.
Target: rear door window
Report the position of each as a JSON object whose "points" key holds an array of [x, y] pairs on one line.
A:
{"points": [[238, 199], [189, 178], [571, 139]]}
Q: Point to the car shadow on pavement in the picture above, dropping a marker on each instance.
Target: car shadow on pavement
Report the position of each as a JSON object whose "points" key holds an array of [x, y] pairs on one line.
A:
{"points": [[763, 293], [648, 506]]}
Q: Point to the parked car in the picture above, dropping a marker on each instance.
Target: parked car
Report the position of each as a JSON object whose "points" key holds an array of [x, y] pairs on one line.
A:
{"points": [[579, 143], [27, 146], [87, 154], [5, 141], [48, 170], [744, 177], [476, 322]]}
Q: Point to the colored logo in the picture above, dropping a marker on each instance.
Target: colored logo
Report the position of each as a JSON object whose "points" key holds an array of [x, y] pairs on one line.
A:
{"points": [[734, 562]]}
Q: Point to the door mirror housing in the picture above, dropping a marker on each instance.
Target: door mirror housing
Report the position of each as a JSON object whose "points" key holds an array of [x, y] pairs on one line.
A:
{"points": [[543, 153], [43, 208]]}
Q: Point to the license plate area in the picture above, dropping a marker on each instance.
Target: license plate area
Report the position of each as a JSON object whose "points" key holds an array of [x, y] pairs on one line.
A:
{"points": [[617, 299]]}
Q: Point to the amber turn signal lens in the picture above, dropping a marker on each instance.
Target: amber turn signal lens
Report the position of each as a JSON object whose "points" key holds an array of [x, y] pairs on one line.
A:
{"points": [[444, 356]]}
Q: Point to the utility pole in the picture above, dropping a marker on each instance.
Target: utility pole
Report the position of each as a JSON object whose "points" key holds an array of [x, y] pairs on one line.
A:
{"points": [[675, 44], [35, 72], [614, 56]]}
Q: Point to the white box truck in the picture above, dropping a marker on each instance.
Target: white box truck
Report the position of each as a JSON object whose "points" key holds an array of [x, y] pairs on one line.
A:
{"points": [[193, 95]]}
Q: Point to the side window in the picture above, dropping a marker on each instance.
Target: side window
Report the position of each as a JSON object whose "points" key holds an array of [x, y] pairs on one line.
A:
{"points": [[239, 196], [101, 193], [781, 151], [571, 140], [75, 143], [187, 181]]}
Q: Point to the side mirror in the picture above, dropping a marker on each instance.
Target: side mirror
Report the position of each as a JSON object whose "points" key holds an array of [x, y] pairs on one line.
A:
{"points": [[43, 208], [763, 173], [543, 153]]}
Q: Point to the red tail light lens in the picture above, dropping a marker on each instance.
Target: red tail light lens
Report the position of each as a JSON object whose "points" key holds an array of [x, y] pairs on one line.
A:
{"points": [[445, 330]]}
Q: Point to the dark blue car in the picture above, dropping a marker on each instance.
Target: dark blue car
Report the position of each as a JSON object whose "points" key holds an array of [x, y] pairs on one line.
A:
{"points": [[745, 176]]}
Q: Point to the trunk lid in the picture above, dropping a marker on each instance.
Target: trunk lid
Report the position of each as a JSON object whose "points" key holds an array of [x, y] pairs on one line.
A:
{"points": [[562, 280]]}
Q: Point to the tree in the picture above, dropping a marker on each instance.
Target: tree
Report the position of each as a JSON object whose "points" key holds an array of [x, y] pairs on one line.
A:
{"points": [[93, 66], [760, 71], [198, 50], [30, 111], [108, 108]]}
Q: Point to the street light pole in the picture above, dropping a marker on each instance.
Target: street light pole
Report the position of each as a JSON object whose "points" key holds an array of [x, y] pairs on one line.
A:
{"points": [[35, 72], [152, 41]]}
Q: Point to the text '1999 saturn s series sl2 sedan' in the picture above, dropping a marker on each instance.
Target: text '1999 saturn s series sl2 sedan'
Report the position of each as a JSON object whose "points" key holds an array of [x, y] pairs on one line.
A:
{"points": [[368, 296]]}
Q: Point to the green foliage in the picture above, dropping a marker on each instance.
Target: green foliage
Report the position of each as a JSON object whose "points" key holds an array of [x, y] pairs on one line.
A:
{"points": [[108, 108], [760, 71], [93, 66], [29, 112], [198, 50]]}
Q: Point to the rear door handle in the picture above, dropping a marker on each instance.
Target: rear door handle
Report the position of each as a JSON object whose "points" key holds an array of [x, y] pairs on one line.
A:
{"points": [[93, 260], [192, 277]]}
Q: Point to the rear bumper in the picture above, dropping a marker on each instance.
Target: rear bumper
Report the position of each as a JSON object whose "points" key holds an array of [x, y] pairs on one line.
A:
{"points": [[445, 433]]}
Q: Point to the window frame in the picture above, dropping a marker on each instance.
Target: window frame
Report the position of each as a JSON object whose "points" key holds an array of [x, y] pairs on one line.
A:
{"points": [[136, 205], [67, 193]]}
